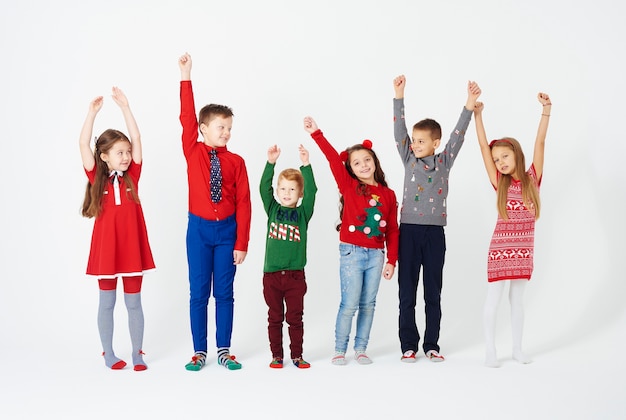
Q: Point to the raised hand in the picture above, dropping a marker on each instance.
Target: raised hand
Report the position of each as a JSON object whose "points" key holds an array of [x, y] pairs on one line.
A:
{"points": [[473, 92], [96, 104], [119, 97], [304, 155], [398, 86], [478, 108], [310, 126], [184, 63], [544, 99], [273, 153]]}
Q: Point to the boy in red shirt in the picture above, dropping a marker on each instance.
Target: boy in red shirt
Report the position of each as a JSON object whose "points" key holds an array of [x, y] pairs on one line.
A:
{"points": [[219, 219]]}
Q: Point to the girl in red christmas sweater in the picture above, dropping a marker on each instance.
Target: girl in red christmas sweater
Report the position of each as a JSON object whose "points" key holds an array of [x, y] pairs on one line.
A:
{"points": [[368, 225]]}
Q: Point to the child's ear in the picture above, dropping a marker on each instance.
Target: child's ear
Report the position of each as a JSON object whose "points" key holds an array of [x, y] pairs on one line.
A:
{"points": [[102, 157], [436, 143]]}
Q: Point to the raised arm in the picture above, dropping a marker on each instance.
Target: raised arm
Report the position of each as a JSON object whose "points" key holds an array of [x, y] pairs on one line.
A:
{"points": [[337, 166], [184, 63], [131, 125], [398, 86], [485, 150], [400, 133], [304, 155], [273, 153], [310, 126], [473, 92], [188, 118], [310, 187], [85, 134], [540, 140]]}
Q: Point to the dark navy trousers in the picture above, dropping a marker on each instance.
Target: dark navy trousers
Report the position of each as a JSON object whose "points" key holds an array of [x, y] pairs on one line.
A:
{"points": [[421, 247]]}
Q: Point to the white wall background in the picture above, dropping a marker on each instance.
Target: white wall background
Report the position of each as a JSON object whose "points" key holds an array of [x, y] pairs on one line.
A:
{"points": [[275, 62]]}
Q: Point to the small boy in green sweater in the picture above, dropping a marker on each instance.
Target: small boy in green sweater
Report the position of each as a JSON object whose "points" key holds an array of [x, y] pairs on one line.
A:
{"points": [[284, 283]]}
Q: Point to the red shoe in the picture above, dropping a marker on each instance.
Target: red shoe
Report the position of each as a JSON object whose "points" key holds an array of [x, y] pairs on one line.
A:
{"points": [[434, 356], [408, 357], [277, 363], [300, 363]]}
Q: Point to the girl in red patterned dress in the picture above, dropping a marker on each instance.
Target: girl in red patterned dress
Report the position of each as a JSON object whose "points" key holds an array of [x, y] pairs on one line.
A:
{"points": [[512, 244], [119, 243]]}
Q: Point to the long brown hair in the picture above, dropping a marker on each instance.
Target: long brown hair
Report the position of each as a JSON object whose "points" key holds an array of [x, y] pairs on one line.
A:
{"points": [[530, 192], [379, 175], [92, 204]]}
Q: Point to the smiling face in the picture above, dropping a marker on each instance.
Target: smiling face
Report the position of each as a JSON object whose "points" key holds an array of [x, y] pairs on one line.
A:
{"points": [[217, 132], [288, 192], [119, 156], [422, 144], [504, 159], [363, 166]]}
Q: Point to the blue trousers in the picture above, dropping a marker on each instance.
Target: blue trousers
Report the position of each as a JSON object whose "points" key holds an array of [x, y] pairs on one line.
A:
{"points": [[420, 246], [210, 246], [359, 270]]}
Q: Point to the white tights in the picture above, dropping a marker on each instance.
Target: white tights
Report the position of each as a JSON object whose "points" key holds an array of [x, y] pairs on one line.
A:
{"points": [[516, 298]]}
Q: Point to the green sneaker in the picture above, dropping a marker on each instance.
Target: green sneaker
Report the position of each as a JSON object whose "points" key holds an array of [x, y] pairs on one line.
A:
{"points": [[198, 361], [229, 362]]}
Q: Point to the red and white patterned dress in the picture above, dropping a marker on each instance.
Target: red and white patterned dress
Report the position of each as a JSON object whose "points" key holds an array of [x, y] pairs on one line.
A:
{"points": [[513, 241]]}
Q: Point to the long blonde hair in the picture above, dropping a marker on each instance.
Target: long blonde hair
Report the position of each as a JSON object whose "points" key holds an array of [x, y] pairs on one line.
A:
{"points": [[530, 192], [92, 203]]}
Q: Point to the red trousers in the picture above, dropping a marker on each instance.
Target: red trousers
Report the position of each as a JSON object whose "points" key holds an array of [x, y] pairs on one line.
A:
{"points": [[285, 289]]}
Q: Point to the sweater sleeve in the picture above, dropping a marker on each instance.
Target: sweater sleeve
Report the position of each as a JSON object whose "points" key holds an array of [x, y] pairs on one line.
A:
{"points": [[392, 235], [265, 187], [457, 137], [400, 133], [337, 167], [310, 189]]}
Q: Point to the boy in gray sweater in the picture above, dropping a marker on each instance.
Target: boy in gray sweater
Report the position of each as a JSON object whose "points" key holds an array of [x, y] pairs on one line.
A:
{"points": [[423, 217]]}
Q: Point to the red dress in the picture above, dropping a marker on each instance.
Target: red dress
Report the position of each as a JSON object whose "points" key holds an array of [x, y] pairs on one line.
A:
{"points": [[512, 244], [119, 243]]}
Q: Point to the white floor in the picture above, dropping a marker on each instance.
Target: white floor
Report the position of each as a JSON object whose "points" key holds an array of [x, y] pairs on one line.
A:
{"points": [[580, 379]]}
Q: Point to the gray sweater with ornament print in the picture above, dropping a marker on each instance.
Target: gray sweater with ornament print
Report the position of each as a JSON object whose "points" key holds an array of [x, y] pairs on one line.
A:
{"points": [[424, 198]]}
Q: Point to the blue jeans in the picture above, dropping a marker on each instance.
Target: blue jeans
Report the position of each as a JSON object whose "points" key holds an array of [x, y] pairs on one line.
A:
{"points": [[360, 271]]}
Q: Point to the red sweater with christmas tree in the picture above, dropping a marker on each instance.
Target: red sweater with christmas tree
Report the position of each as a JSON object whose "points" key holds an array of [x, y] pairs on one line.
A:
{"points": [[370, 215]]}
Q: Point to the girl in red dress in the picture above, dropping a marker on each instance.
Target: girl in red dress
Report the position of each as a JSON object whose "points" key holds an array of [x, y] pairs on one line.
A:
{"points": [[512, 244], [119, 243]]}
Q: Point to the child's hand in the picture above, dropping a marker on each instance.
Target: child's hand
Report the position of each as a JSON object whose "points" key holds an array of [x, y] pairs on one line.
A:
{"points": [[239, 256], [309, 125], [478, 108], [304, 155], [388, 271], [272, 154], [544, 99], [473, 91], [398, 86], [119, 97], [184, 63], [96, 104]]}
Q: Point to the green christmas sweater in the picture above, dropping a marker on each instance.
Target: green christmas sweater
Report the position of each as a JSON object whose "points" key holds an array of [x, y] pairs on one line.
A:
{"points": [[285, 243]]}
